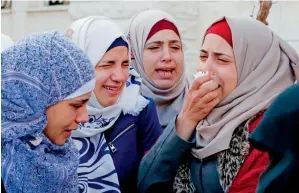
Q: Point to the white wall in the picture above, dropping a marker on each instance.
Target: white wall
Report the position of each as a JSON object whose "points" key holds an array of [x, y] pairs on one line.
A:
{"points": [[193, 17]]}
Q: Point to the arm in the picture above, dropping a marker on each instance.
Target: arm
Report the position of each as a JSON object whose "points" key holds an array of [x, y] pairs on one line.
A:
{"points": [[159, 166]]}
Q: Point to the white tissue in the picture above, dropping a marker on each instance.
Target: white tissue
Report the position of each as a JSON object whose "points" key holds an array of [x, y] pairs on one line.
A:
{"points": [[201, 74]]}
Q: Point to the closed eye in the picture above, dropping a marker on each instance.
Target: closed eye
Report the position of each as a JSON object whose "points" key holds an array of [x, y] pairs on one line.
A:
{"points": [[175, 47], [153, 48], [77, 105], [222, 60], [125, 63]]}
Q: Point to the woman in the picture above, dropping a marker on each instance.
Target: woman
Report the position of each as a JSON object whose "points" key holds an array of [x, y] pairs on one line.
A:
{"points": [[278, 134], [119, 117], [249, 66], [45, 84], [157, 55]]}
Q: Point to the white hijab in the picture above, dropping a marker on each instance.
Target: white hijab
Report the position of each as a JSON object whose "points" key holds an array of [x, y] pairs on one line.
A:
{"points": [[94, 35], [6, 42], [96, 171], [265, 64], [169, 102]]}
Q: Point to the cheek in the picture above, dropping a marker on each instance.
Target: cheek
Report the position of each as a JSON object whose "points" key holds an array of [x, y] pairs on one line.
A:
{"points": [[126, 73], [67, 118], [101, 77], [150, 61], [230, 79], [179, 61]]}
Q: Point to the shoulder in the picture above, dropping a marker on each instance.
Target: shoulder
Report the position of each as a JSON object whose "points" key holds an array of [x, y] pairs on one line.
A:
{"points": [[150, 109], [254, 121]]}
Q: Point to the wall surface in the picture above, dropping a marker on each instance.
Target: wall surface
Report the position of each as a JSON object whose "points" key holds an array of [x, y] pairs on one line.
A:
{"points": [[193, 17]]}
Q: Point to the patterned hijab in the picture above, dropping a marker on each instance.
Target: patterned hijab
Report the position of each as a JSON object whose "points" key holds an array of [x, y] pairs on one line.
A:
{"points": [[37, 72], [265, 67], [169, 102]]}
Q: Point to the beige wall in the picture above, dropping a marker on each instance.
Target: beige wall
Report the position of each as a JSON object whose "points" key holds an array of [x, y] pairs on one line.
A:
{"points": [[192, 17]]}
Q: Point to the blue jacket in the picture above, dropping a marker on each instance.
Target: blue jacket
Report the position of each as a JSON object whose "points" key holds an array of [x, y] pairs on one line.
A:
{"points": [[129, 139]]}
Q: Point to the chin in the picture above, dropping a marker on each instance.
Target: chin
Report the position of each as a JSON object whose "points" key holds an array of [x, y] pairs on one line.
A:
{"points": [[60, 142], [164, 84], [111, 102]]}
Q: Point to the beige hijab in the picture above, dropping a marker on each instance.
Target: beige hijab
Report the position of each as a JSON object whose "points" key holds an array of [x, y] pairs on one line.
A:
{"points": [[265, 67], [169, 102]]}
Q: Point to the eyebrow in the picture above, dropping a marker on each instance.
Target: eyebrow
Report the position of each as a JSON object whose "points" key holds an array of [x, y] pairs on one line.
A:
{"points": [[109, 61], [216, 53], [162, 42], [83, 101]]}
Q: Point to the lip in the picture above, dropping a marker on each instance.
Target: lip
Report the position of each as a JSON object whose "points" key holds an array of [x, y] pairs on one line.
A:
{"points": [[116, 89], [166, 68], [165, 73], [217, 80], [67, 133]]}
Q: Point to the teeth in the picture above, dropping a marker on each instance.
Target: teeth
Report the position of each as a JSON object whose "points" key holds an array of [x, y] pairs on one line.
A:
{"points": [[110, 88]]}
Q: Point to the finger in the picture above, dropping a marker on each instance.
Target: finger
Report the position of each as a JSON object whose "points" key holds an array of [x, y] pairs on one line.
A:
{"points": [[206, 110], [198, 94], [200, 81], [214, 102], [199, 102], [210, 86]]}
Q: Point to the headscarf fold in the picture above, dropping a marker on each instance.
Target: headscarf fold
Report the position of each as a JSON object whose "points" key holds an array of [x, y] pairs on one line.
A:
{"points": [[6, 42], [95, 35], [265, 66], [169, 102], [38, 72]]}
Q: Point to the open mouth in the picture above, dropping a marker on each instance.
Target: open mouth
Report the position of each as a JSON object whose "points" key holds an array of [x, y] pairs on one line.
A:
{"points": [[165, 73], [112, 89]]}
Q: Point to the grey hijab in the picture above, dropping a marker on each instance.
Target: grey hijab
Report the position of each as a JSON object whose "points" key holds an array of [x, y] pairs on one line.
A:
{"points": [[168, 102], [264, 65]]}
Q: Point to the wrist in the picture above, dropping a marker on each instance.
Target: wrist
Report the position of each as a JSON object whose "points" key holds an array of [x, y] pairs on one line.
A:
{"points": [[184, 126]]}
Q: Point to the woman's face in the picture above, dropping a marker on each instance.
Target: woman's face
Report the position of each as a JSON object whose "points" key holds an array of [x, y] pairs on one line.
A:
{"points": [[217, 58], [112, 72], [163, 59], [64, 117]]}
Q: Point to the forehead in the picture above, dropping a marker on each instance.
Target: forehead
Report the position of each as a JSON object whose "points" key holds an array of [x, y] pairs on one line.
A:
{"points": [[164, 35], [120, 51], [215, 43]]}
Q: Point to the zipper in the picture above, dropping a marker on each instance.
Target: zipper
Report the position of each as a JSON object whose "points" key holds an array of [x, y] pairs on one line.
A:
{"points": [[110, 144]]}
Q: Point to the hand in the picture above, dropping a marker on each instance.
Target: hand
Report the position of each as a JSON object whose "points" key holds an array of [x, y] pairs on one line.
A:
{"points": [[199, 103]]}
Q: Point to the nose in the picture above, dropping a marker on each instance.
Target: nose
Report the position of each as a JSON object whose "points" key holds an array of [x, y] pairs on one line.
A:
{"points": [[206, 65], [120, 75], [166, 56], [82, 115]]}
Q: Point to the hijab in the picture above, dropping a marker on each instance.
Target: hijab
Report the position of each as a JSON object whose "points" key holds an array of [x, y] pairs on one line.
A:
{"points": [[265, 66], [169, 102], [95, 36], [6, 42], [37, 72]]}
